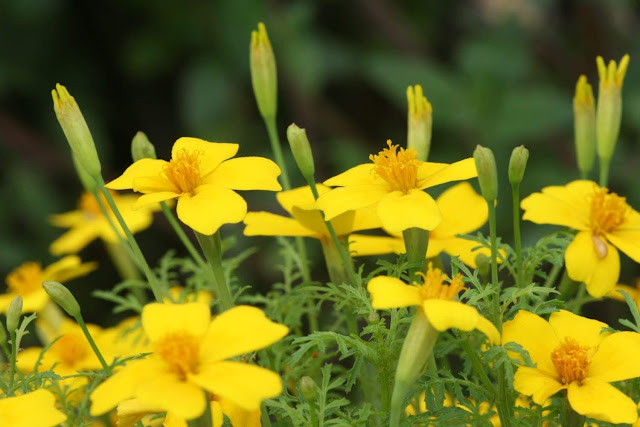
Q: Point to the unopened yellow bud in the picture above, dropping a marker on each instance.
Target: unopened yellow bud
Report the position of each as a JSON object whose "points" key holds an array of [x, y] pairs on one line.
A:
{"points": [[63, 297], [584, 116], [419, 121], [487, 172], [14, 312], [301, 150], [609, 109], [263, 72], [76, 130], [142, 148]]}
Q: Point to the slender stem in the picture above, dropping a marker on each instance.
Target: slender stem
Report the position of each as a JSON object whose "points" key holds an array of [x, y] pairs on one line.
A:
{"points": [[212, 248], [181, 234], [584, 175], [264, 416], [515, 192], [312, 414], [206, 419], [92, 343], [274, 139], [477, 365], [14, 357], [553, 275], [494, 265], [604, 172], [123, 262], [416, 241]]}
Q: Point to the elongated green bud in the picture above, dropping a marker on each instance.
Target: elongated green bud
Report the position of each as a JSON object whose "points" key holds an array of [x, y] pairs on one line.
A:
{"points": [[584, 122], [308, 388], [264, 76], [487, 172], [63, 297], [609, 111], [518, 164], [142, 148], [419, 121], [86, 180], [301, 150], [76, 130], [14, 312]]}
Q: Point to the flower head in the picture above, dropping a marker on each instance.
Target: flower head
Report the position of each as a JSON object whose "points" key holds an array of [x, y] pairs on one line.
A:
{"points": [[203, 177], [35, 409], [604, 222], [572, 353]]}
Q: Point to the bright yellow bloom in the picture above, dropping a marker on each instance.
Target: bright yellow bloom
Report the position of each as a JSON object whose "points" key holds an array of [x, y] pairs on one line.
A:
{"points": [[190, 355], [463, 212], [571, 353], [126, 339], [27, 279], [604, 222], [202, 176], [87, 223], [393, 182], [35, 409], [435, 299]]}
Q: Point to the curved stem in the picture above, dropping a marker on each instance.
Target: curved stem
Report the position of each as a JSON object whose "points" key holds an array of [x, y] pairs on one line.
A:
{"points": [[92, 343], [212, 248], [515, 192], [181, 234]]}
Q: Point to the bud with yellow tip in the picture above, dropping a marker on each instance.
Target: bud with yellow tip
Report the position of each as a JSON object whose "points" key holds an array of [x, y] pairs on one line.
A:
{"points": [[584, 116], [142, 148], [263, 72], [63, 297], [301, 150], [419, 121]]}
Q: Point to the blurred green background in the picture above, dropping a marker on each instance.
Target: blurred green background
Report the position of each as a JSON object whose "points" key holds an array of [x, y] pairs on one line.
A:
{"points": [[499, 73]]}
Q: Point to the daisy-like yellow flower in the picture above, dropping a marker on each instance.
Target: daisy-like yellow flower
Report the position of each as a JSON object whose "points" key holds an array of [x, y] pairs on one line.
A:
{"points": [[394, 183], [604, 222], [190, 353], [202, 176], [35, 409], [27, 279], [435, 299], [572, 353], [87, 223], [463, 211]]}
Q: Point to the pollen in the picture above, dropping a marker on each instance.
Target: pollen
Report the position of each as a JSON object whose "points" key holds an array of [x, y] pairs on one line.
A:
{"points": [[25, 279], [398, 168], [71, 348], [184, 171], [180, 351], [435, 285], [608, 211], [571, 360]]}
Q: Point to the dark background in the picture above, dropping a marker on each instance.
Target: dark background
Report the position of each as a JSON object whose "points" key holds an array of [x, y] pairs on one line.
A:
{"points": [[499, 73]]}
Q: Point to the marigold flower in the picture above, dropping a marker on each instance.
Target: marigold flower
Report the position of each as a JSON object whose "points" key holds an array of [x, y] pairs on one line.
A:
{"points": [[202, 176], [35, 409], [571, 353], [27, 279], [190, 355], [604, 222], [394, 183]]}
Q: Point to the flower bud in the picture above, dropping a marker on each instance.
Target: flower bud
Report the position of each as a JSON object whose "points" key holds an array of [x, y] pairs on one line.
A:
{"points": [[584, 122], [142, 148], [76, 130], [419, 121], [263, 72], [63, 297], [86, 180], [483, 262], [301, 150], [609, 109], [487, 172], [14, 312], [308, 388], [517, 164], [373, 317]]}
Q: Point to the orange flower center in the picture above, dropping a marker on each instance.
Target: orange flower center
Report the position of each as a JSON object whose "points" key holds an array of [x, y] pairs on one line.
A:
{"points": [[435, 286], [571, 360], [89, 205], [398, 168], [184, 171], [71, 348], [608, 211], [180, 351], [25, 279]]}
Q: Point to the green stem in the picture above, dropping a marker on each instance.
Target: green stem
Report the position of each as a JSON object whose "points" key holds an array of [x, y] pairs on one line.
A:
{"points": [[604, 172], [515, 192], [264, 416], [570, 418], [338, 273], [312, 414], [212, 248], [274, 139], [181, 234], [92, 343], [123, 262], [584, 174], [14, 357], [204, 420], [553, 275], [476, 364], [494, 266], [416, 241]]}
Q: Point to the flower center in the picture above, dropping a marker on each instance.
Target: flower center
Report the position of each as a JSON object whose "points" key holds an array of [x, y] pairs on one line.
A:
{"points": [[608, 211], [180, 350], [71, 348], [398, 168], [571, 360], [89, 206], [435, 287], [25, 279], [184, 171]]}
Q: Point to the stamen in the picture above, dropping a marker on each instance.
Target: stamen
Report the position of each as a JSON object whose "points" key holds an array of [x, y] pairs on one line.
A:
{"points": [[435, 286], [571, 360], [184, 171], [398, 168], [180, 351], [608, 211]]}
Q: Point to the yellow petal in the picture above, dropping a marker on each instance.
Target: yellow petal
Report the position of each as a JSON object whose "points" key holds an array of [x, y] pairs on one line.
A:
{"points": [[245, 385], [140, 169], [445, 314], [633, 292], [601, 401], [585, 331], [435, 247], [340, 200], [152, 198], [185, 399], [366, 219], [301, 197], [489, 329], [131, 411], [268, 224], [467, 250], [136, 219], [388, 292], [160, 319], [67, 219], [211, 154], [536, 383], [399, 211], [239, 417], [238, 331], [358, 175], [246, 173], [210, 208], [584, 264], [535, 335], [172, 420], [567, 206], [363, 245], [35, 409], [312, 220], [464, 169], [155, 184], [74, 240], [34, 301], [463, 211], [342, 224], [628, 241], [617, 358]]}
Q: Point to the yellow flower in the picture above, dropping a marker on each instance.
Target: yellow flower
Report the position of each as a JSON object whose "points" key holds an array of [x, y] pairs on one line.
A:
{"points": [[35, 409], [202, 176], [604, 222], [435, 299], [634, 292], [126, 339], [27, 279], [190, 355], [181, 295], [571, 353], [394, 183], [87, 223], [463, 212]]}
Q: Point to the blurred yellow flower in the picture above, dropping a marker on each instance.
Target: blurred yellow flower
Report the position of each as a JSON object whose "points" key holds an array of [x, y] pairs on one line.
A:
{"points": [[572, 353], [203, 177], [190, 355], [634, 292], [604, 222], [35, 409]]}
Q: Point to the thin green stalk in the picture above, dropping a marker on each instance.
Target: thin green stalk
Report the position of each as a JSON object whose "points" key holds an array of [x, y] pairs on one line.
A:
{"points": [[125, 265], [476, 364], [494, 265], [553, 275], [312, 414], [416, 241], [274, 139], [204, 420], [515, 192], [14, 357], [584, 174], [212, 248], [604, 172], [264, 416], [92, 343], [181, 234]]}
